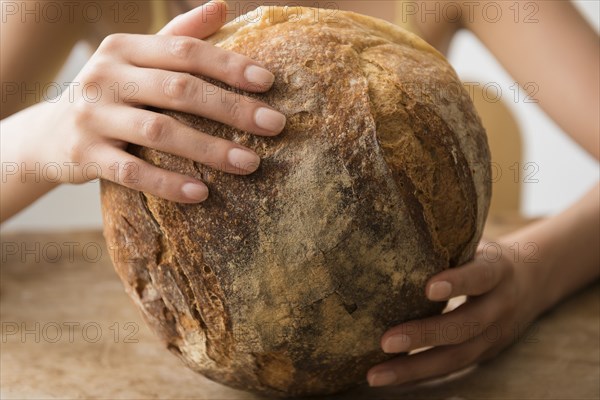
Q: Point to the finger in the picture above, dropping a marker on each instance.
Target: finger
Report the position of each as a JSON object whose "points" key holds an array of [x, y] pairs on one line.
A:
{"points": [[200, 22], [472, 279], [123, 168], [431, 363], [184, 92], [161, 132], [458, 326], [186, 54]]}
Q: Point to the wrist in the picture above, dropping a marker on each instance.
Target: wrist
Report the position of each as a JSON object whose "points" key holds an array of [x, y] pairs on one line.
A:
{"points": [[566, 257], [533, 269], [22, 141], [26, 175]]}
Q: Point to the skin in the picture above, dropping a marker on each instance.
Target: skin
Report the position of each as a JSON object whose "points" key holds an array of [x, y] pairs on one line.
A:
{"points": [[559, 53], [81, 136]]}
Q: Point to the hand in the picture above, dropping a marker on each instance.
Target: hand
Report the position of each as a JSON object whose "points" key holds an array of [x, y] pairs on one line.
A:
{"points": [[502, 302], [132, 71]]}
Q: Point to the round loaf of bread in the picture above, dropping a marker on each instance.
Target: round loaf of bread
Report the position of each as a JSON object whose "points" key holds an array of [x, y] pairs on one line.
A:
{"points": [[284, 280]]}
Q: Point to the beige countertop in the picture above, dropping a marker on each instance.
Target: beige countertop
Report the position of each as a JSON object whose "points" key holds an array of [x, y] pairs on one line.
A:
{"points": [[70, 331]]}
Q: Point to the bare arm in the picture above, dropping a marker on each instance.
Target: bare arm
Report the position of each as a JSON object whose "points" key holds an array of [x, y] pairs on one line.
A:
{"points": [[548, 43], [33, 50], [561, 54], [32, 54]]}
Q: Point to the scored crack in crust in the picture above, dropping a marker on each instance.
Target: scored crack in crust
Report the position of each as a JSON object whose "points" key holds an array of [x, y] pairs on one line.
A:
{"points": [[283, 281]]}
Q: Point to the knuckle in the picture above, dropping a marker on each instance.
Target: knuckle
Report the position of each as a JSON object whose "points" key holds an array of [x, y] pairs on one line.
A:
{"points": [[78, 148], [176, 86], [97, 72], [228, 64], [158, 185], [233, 108], [462, 357], [153, 129], [507, 268], [511, 299], [83, 114], [75, 150], [129, 173], [181, 47], [205, 149], [406, 374], [460, 283], [490, 353], [112, 42], [488, 274]]}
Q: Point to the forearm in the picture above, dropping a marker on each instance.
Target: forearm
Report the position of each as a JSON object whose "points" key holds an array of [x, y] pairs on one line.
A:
{"points": [[23, 177], [566, 254], [558, 55]]}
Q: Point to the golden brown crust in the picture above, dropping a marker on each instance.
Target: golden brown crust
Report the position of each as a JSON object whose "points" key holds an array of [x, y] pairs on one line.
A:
{"points": [[283, 281]]}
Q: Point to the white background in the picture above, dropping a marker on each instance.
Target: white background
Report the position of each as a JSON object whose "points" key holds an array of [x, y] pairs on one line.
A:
{"points": [[565, 171]]}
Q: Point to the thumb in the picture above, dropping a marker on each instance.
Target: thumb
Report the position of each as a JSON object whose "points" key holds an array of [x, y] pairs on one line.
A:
{"points": [[198, 23]]}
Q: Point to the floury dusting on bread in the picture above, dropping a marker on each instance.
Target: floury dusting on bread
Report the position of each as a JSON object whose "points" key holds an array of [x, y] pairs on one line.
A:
{"points": [[283, 281]]}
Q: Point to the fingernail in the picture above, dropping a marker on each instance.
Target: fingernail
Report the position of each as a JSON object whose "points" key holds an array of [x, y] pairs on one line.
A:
{"points": [[243, 159], [382, 378], [258, 75], [195, 191], [440, 290], [396, 344], [270, 120]]}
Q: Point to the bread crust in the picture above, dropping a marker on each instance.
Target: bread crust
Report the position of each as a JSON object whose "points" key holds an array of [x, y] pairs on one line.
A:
{"points": [[284, 280]]}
